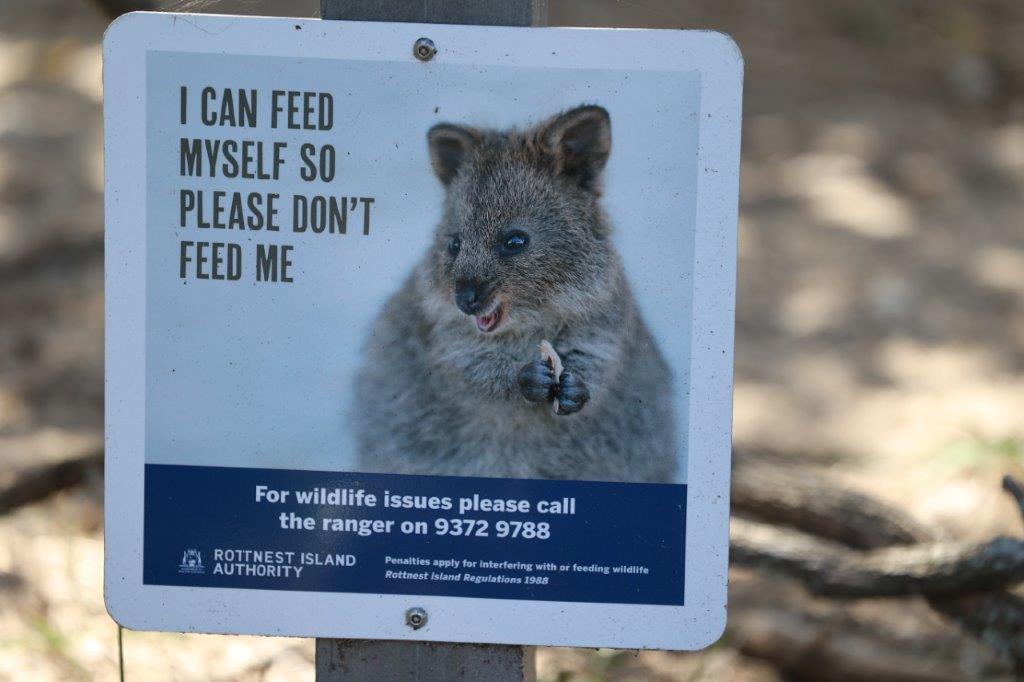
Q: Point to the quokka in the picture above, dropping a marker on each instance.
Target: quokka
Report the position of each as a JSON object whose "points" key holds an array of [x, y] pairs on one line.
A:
{"points": [[453, 381]]}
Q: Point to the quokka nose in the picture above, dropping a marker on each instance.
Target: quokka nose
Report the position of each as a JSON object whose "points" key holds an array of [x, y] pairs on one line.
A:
{"points": [[470, 296]]}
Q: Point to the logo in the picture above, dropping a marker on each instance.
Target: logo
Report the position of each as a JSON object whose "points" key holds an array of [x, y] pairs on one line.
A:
{"points": [[191, 562]]}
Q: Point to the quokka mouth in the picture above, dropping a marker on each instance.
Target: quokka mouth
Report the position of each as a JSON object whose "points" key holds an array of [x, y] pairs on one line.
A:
{"points": [[492, 319]]}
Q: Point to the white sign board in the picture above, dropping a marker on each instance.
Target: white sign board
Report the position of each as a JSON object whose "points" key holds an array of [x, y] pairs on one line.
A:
{"points": [[450, 331]]}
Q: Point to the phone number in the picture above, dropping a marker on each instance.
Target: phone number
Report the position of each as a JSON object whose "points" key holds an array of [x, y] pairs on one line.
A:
{"points": [[479, 528]]}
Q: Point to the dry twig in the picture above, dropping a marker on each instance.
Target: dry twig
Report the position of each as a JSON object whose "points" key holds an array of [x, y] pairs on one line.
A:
{"points": [[963, 581]]}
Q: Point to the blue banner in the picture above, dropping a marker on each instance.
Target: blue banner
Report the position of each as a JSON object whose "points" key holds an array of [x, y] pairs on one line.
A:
{"points": [[496, 538]]}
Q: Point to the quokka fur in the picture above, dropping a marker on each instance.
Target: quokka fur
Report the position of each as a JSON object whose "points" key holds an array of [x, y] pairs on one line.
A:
{"points": [[452, 380]]}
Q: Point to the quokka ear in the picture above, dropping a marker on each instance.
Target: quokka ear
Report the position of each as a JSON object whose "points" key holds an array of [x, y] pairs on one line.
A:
{"points": [[450, 145], [580, 141]]}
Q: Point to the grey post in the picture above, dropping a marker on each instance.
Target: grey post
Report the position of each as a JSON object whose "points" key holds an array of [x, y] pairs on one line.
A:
{"points": [[373, 660]]}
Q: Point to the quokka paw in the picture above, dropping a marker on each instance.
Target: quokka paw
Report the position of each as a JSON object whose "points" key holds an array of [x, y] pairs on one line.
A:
{"points": [[537, 382], [572, 394]]}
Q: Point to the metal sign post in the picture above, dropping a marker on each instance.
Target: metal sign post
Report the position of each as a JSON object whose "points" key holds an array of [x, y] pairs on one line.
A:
{"points": [[349, 659]]}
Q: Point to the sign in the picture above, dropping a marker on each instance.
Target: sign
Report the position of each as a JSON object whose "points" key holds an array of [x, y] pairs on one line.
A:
{"points": [[419, 319]]}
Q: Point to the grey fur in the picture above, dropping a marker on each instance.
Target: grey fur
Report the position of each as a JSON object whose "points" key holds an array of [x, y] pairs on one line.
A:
{"points": [[437, 396]]}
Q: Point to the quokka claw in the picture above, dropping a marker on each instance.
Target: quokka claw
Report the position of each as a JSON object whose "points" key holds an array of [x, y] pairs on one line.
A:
{"points": [[572, 394], [537, 382]]}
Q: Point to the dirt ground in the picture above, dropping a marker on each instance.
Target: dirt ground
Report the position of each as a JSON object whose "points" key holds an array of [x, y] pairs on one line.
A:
{"points": [[880, 330]]}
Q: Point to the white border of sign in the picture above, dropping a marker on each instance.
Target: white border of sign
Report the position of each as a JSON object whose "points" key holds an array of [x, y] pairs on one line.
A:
{"points": [[366, 616]]}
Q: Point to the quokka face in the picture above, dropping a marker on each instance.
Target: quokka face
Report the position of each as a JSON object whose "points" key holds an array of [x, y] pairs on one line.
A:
{"points": [[522, 241]]}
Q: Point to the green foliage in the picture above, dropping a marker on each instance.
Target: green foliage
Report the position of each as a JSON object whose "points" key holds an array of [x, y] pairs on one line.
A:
{"points": [[56, 644], [976, 452]]}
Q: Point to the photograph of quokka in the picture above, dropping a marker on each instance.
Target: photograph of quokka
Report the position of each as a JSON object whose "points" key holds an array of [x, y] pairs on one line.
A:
{"points": [[516, 347]]}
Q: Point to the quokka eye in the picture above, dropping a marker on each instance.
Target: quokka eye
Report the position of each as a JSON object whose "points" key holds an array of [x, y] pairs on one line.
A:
{"points": [[515, 242], [453, 245]]}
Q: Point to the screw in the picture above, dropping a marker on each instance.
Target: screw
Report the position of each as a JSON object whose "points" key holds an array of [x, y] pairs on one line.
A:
{"points": [[424, 49], [416, 618]]}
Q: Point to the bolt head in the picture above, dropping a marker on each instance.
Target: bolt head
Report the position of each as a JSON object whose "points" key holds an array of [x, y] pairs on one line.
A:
{"points": [[416, 617], [424, 49]]}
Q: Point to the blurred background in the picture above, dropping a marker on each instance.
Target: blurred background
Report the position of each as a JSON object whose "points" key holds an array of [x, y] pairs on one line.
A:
{"points": [[880, 327]]}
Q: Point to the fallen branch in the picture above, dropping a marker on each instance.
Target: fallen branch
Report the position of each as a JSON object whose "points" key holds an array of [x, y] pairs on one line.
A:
{"points": [[32, 484], [56, 255], [800, 498], [829, 569], [994, 616], [809, 638], [1016, 491]]}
